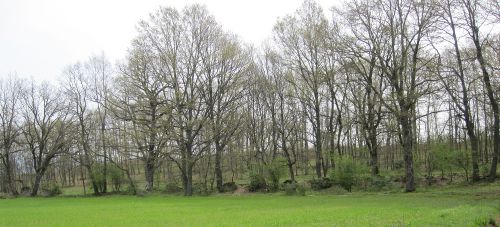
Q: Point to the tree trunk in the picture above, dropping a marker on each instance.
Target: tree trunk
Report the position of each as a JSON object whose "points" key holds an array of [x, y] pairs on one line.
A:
{"points": [[105, 171], [373, 155], [407, 143], [149, 170], [318, 142], [8, 171], [218, 167], [36, 185], [187, 180]]}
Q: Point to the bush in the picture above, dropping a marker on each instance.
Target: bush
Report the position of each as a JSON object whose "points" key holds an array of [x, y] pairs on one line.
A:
{"points": [[290, 188], [116, 176], [52, 190], [132, 189], [25, 190], [257, 182], [172, 188], [379, 183], [323, 183], [293, 188], [301, 190], [346, 173], [98, 177], [274, 171], [200, 189], [229, 187], [484, 170]]}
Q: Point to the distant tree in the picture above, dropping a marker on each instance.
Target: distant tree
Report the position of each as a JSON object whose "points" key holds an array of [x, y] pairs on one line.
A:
{"points": [[301, 38], [10, 101], [47, 127]]}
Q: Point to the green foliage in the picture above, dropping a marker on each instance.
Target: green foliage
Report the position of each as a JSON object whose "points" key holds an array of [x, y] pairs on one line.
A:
{"points": [[274, 171], [448, 160], [51, 189], [98, 177], [293, 188], [25, 190], [347, 173], [257, 182], [116, 176], [172, 188], [200, 188], [322, 183], [229, 187], [484, 170]]}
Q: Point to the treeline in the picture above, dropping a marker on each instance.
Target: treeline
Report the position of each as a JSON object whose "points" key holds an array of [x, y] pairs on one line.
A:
{"points": [[390, 84]]}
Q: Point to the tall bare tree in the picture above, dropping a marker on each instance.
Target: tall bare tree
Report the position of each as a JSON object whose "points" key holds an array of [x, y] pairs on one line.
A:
{"points": [[10, 100], [47, 127], [301, 37]]}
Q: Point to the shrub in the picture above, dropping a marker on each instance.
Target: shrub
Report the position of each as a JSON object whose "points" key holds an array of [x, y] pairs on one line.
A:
{"points": [[380, 183], [322, 183], [51, 190], [172, 188], [229, 187], [293, 188], [346, 173], [116, 177], [132, 189], [257, 182], [200, 189], [98, 177], [290, 188], [484, 170], [301, 190], [274, 171], [25, 190]]}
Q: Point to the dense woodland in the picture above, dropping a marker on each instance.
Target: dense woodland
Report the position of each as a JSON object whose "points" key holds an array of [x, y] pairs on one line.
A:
{"points": [[406, 88]]}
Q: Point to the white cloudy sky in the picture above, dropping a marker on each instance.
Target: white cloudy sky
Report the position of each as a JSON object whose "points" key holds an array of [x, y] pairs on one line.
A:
{"points": [[39, 38]]}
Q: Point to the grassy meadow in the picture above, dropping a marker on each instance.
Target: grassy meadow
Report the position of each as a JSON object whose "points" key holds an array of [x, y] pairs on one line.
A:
{"points": [[453, 206]]}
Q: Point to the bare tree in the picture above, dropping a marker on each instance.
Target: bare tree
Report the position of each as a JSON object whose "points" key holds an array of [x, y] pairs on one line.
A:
{"points": [[472, 15], [100, 72], [301, 38], [10, 96], [47, 129]]}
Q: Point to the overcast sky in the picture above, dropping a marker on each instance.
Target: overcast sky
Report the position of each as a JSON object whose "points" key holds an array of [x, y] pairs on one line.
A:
{"points": [[39, 38]]}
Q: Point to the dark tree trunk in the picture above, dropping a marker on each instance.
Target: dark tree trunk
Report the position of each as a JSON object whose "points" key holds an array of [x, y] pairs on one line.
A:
{"points": [[373, 147], [318, 141], [36, 184], [407, 143], [218, 166], [105, 171], [187, 180], [149, 170], [9, 174]]}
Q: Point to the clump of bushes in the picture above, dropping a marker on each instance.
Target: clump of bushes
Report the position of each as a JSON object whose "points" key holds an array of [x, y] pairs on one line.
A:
{"points": [[347, 173], [274, 172], [293, 188], [25, 190], [172, 188], [257, 182], [229, 187], [321, 183], [51, 190], [116, 176]]}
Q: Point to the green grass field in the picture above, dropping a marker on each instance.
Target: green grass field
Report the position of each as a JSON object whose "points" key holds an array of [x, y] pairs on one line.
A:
{"points": [[459, 206]]}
